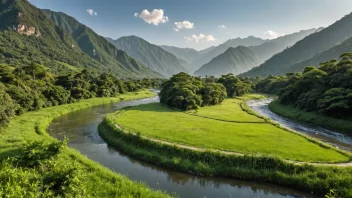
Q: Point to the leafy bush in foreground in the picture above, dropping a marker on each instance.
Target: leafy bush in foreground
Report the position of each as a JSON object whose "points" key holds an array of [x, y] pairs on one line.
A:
{"points": [[36, 172]]}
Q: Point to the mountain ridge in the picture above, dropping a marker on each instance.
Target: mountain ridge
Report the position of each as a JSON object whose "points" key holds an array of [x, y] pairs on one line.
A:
{"points": [[153, 56]]}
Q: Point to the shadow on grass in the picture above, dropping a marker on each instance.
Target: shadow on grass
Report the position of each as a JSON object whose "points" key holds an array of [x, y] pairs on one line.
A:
{"points": [[9, 153]]}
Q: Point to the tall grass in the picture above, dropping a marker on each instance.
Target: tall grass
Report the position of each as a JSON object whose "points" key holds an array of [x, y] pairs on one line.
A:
{"points": [[318, 180]]}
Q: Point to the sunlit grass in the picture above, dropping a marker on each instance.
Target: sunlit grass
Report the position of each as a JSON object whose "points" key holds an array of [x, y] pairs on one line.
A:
{"points": [[160, 122]]}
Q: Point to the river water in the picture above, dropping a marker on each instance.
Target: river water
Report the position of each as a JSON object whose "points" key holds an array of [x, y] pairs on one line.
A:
{"points": [[81, 128], [328, 136]]}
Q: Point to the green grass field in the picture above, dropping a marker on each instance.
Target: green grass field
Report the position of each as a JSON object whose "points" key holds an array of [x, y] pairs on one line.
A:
{"points": [[229, 110], [99, 181], [291, 112], [160, 122]]}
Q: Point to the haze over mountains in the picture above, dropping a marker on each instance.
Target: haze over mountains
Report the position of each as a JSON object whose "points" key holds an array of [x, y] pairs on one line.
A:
{"points": [[233, 60], [224, 64], [305, 49]]}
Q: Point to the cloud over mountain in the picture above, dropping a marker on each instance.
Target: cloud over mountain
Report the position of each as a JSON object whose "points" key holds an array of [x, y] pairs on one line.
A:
{"points": [[183, 25], [154, 17], [200, 38]]}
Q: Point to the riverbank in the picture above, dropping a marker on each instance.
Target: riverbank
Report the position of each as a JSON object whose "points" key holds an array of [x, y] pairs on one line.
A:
{"points": [[98, 180], [291, 112], [313, 179]]}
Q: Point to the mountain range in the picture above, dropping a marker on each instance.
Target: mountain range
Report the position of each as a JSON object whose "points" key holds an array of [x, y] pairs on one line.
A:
{"points": [[305, 49], [233, 60], [59, 42], [232, 63], [153, 56]]}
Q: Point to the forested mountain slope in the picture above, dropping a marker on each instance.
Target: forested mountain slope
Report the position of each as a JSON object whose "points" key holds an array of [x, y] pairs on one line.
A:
{"points": [[153, 56], [28, 35]]}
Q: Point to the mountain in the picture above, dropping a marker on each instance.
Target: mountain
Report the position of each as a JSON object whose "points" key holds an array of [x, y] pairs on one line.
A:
{"points": [[187, 54], [306, 48], [332, 53], [153, 56], [216, 51], [274, 46], [28, 35], [234, 60], [98, 47]]}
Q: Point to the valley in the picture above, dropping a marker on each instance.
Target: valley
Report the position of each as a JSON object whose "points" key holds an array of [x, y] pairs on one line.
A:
{"points": [[223, 99]]}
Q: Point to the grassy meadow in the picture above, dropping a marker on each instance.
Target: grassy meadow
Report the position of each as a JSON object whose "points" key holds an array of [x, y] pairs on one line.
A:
{"points": [[262, 138], [97, 181]]}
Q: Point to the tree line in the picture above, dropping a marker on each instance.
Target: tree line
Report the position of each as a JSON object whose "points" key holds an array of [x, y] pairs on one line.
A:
{"points": [[186, 92], [326, 90], [34, 87]]}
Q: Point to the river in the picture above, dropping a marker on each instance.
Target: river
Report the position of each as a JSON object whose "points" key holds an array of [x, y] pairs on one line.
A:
{"points": [[81, 128], [333, 138]]}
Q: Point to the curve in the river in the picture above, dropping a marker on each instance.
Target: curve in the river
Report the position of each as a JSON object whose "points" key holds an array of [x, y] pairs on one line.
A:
{"points": [[333, 138], [81, 128]]}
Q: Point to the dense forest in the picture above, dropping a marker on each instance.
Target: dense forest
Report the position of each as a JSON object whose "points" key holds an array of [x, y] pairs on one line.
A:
{"points": [[186, 92], [326, 90], [34, 87]]}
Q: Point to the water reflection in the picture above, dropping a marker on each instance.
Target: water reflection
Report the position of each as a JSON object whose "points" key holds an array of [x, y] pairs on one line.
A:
{"points": [[81, 129]]}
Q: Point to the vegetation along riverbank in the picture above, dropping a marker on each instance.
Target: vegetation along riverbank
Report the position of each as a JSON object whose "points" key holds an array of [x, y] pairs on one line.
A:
{"points": [[42, 166], [264, 158]]}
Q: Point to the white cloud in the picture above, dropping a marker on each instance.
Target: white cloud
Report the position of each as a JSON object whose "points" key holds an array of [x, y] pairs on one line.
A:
{"points": [[155, 17], [222, 27], [176, 30], [91, 12], [183, 25], [200, 38], [272, 35]]}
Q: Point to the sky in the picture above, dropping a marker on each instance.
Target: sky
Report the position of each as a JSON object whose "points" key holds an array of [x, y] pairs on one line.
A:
{"points": [[199, 24]]}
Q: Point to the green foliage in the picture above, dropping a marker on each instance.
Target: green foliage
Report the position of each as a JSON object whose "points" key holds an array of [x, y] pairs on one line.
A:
{"points": [[67, 174], [33, 87], [36, 173], [185, 92], [326, 90], [234, 86]]}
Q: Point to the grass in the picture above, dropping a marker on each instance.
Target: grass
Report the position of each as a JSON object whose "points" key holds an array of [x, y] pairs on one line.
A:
{"points": [[294, 113], [317, 180], [264, 138], [99, 181], [229, 110]]}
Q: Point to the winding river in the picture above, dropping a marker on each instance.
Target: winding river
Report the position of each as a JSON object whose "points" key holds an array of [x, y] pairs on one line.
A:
{"points": [[81, 128]]}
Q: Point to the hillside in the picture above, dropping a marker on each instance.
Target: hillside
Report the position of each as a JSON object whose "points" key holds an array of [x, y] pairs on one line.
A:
{"points": [[234, 60], [187, 54], [306, 48], [97, 46], [332, 53], [274, 46], [28, 35], [208, 56], [152, 56]]}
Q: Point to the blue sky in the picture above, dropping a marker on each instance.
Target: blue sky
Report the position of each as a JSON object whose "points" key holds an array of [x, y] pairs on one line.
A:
{"points": [[203, 22]]}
